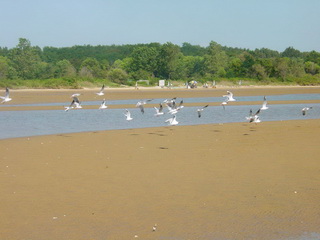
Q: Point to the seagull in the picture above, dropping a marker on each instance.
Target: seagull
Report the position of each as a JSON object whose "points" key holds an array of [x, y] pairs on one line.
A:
{"points": [[154, 228], [171, 103], [6, 97], [103, 105], [77, 103], [75, 95], [172, 121], [229, 96], [224, 103], [254, 118], [128, 115], [305, 109], [141, 103], [101, 93], [200, 110], [159, 111], [173, 109], [71, 106], [264, 104]]}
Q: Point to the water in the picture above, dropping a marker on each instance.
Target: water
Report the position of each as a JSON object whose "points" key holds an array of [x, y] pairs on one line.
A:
{"points": [[287, 97], [44, 122]]}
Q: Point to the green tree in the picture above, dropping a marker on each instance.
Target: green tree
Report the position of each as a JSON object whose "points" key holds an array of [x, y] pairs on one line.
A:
{"points": [[311, 67], [144, 58], [290, 52], [234, 67], [216, 60], [25, 59], [247, 62], [64, 68], [281, 68], [168, 60], [258, 71], [4, 67], [118, 75], [192, 50], [313, 56], [93, 66]]}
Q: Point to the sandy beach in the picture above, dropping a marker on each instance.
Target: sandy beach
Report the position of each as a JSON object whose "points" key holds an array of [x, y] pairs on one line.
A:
{"points": [[220, 181]]}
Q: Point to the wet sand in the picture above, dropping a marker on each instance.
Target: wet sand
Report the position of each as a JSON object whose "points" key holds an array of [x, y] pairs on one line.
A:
{"points": [[230, 181]]}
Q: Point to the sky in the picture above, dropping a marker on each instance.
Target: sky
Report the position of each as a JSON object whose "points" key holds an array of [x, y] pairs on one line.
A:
{"points": [[250, 24]]}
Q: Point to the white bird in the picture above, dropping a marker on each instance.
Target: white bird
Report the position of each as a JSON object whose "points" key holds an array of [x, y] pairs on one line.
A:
{"points": [[224, 103], [6, 97], [71, 106], [103, 105], [305, 109], [264, 104], [154, 228], [159, 111], [101, 93], [141, 103], [128, 115], [200, 110], [173, 108], [77, 103], [229, 96], [172, 121], [74, 104], [75, 95], [254, 118]]}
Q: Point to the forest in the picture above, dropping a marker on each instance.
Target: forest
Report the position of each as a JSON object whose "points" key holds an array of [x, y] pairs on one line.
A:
{"points": [[77, 66]]}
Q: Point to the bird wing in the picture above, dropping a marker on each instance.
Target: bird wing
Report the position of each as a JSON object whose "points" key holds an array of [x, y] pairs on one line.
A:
{"points": [[7, 93], [141, 108]]}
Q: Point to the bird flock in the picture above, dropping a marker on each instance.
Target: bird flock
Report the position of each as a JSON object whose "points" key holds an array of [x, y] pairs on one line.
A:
{"points": [[173, 108]]}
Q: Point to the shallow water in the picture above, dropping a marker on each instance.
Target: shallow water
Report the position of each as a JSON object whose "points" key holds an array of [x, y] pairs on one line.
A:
{"points": [[44, 122], [287, 97]]}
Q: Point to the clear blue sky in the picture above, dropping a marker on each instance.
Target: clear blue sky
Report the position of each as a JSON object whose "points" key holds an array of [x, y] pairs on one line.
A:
{"points": [[273, 24]]}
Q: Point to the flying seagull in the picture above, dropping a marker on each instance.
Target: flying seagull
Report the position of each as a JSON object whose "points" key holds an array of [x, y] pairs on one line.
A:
{"points": [[6, 97], [77, 103], [141, 103], [101, 93], [254, 117], [159, 111], [75, 95], [128, 115], [229, 96], [173, 108], [200, 110], [224, 103], [264, 104], [172, 121], [305, 109], [71, 106], [103, 105]]}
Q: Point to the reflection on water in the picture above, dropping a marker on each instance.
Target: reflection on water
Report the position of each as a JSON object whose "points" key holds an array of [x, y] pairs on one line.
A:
{"points": [[43, 122]]}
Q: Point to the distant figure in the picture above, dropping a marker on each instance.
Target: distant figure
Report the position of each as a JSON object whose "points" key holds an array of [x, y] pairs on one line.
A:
{"points": [[101, 93], [305, 109], [128, 115], [264, 104], [6, 97]]}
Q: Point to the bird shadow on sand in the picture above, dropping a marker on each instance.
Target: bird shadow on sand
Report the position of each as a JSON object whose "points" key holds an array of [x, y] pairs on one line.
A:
{"points": [[163, 148]]}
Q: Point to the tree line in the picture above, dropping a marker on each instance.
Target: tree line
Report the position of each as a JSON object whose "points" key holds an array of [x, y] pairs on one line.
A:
{"points": [[124, 64]]}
